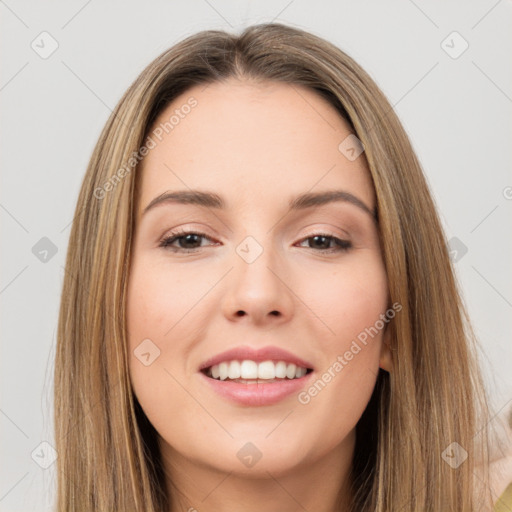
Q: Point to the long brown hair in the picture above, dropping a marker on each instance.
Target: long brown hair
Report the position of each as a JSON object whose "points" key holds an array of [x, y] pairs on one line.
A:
{"points": [[108, 457]]}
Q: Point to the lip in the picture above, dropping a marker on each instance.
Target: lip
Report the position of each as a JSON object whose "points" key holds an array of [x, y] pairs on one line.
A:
{"points": [[269, 353], [257, 394]]}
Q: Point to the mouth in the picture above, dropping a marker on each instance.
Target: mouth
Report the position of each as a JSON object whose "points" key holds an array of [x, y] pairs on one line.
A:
{"points": [[246, 376], [256, 391], [253, 372]]}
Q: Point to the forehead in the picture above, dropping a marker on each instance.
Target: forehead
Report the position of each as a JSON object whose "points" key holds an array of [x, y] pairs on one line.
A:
{"points": [[251, 142]]}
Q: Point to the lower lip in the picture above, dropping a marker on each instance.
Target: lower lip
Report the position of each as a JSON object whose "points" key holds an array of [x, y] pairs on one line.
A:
{"points": [[257, 394]]}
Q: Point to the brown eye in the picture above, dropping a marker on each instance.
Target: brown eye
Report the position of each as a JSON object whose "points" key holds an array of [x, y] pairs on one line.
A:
{"points": [[187, 241], [322, 242]]}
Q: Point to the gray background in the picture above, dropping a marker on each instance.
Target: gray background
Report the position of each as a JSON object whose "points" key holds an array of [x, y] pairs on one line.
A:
{"points": [[455, 110]]}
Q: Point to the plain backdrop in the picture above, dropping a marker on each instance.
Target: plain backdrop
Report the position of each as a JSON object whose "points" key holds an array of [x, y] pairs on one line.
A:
{"points": [[444, 66]]}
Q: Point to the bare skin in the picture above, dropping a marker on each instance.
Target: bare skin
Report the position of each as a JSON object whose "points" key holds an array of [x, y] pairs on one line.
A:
{"points": [[256, 146]]}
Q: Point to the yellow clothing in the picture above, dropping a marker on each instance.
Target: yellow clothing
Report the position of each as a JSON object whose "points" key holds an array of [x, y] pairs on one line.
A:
{"points": [[504, 504]]}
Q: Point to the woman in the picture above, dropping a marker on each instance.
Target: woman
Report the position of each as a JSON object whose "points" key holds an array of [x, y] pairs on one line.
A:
{"points": [[309, 350]]}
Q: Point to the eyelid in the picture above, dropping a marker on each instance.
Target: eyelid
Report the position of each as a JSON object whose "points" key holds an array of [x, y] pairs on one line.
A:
{"points": [[187, 228], [331, 231]]}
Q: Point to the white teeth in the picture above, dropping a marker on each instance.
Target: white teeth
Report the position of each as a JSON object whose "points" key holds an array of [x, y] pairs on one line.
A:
{"points": [[281, 370], [299, 372], [234, 370], [290, 371], [266, 370], [247, 369], [223, 371]]}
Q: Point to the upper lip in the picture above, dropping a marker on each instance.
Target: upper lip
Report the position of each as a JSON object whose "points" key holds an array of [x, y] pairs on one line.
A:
{"points": [[258, 355]]}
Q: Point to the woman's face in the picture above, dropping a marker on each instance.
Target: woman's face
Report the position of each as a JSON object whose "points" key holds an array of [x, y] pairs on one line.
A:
{"points": [[307, 280]]}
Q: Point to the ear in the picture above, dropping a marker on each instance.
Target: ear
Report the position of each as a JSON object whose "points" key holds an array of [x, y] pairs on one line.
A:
{"points": [[386, 356]]}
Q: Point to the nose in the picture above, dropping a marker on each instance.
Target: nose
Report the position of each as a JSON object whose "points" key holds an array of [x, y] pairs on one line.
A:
{"points": [[258, 289]]}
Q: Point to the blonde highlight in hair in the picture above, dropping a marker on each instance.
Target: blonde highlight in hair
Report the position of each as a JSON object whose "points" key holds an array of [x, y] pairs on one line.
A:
{"points": [[108, 456]]}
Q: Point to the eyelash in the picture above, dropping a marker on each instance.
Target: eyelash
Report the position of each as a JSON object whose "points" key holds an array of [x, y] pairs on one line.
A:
{"points": [[343, 245]]}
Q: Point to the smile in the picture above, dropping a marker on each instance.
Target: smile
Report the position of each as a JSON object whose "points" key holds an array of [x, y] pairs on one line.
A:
{"points": [[252, 372]]}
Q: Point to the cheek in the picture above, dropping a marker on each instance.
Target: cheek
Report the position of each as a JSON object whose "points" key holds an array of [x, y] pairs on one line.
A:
{"points": [[153, 316], [159, 301], [350, 304], [166, 309], [350, 300]]}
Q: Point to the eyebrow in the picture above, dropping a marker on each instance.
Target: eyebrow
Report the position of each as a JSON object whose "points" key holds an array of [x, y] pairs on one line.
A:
{"points": [[300, 202]]}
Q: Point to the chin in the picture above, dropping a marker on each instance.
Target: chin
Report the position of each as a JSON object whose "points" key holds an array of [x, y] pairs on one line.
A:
{"points": [[256, 456], [276, 463]]}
